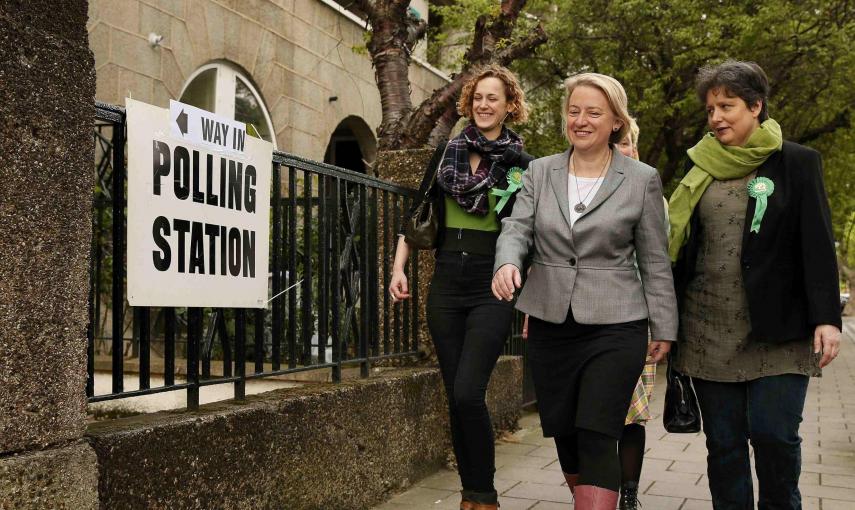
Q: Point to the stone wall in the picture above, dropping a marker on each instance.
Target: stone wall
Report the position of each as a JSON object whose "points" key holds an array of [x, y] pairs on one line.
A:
{"points": [[47, 83], [59, 478], [46, 154], [344, 446], [298, 53]]}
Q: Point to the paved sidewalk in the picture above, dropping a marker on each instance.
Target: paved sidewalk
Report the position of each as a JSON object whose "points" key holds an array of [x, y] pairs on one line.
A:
{"points": [[528, 475]]}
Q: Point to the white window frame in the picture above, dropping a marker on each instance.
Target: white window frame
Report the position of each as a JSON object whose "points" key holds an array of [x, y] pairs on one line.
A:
{"points": [[224, 92]]}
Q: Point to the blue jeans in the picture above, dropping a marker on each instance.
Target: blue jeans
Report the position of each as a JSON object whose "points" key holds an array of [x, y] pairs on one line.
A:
{"points": [[767, 411]]}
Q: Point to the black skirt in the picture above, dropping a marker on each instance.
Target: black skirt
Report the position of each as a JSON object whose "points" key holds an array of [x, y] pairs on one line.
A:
{"points": [[584, 374]]}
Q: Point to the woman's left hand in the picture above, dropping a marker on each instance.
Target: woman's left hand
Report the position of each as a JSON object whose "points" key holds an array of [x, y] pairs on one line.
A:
{"points": [[826, 339], [657, 350]]}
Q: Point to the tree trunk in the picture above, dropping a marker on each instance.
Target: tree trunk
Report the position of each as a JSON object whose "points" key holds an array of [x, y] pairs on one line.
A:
{"points": [[390, 56], [430, 112], [392, 70], [444, 125], [394, 33]]}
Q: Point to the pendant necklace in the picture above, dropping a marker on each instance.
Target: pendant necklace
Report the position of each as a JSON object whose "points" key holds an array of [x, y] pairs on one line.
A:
{"points": [[580, 207]]}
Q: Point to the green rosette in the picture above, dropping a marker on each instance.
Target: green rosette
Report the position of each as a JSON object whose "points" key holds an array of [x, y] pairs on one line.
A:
{"points": [[760, 188], [514, 184]]}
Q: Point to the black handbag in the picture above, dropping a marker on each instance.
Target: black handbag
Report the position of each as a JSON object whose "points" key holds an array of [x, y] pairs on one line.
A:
{"points": [[682, 413], [422, 227]]}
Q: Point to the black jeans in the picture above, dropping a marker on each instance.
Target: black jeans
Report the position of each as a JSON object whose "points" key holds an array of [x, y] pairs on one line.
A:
{"points": [[767, 411], [469, 327]]}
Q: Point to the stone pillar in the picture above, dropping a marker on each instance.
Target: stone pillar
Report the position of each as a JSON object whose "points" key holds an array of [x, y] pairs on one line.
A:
{"points": [[406, 168], [47, 82]]}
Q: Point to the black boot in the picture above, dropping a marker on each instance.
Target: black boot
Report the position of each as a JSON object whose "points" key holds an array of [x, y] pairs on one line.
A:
{"points": [[629, 496]]}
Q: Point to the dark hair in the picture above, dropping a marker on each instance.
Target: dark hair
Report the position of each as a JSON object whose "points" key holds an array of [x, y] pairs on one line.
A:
{"points": [[745, 80]]}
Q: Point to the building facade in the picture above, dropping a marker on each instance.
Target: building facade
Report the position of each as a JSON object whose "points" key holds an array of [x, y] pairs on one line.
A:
{"points": [[296, 69]]}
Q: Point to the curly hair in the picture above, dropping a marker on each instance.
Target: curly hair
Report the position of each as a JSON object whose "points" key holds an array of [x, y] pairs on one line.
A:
{"points": [[517, 107]]}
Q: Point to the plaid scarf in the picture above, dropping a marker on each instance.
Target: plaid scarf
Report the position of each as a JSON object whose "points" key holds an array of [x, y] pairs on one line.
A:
{"points": [[455, 176]]}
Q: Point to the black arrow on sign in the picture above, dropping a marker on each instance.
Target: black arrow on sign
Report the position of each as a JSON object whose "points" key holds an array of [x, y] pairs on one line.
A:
{"points": [[181, 120]]}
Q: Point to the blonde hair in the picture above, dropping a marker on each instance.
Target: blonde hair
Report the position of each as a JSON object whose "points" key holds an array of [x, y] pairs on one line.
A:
{"points": [[615, 95], [634, 131], [514, 95]]}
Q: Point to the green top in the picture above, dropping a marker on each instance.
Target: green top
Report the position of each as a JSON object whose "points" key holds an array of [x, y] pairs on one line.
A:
{"points": [[457, 217]]}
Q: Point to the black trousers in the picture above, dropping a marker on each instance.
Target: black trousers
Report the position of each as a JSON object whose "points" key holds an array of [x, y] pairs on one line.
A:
{"points": [[469, 327]]}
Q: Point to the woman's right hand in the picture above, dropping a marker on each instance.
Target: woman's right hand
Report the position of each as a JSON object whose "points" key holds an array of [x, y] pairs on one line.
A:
{"points": [[506, 281], [398, 288]]}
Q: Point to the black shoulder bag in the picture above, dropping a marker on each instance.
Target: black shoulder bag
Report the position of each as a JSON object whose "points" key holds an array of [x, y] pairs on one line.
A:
{"points": [[682, 413], [422, 226]]}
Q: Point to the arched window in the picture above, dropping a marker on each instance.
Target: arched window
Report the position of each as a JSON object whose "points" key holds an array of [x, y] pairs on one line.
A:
{"points": [[352, 145], [223, 89]]}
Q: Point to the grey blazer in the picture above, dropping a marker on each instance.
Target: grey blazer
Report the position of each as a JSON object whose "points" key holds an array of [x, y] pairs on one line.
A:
{"points": [[591, 266]]}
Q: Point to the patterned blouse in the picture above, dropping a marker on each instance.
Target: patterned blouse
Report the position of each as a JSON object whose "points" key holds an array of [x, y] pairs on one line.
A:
{"points": [[714, 323]]}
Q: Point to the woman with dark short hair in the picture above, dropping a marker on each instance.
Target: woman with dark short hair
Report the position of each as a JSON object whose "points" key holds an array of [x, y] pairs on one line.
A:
{"points": [[757, 287]]}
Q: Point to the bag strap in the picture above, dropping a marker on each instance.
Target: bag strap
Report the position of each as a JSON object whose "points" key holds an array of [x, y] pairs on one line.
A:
{"points": [[435, 161], [670, 359]]}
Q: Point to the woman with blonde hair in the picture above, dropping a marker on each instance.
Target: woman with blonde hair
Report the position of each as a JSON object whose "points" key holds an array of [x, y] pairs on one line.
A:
{"points": [[631, 444], [477, 178], [585, 216]]}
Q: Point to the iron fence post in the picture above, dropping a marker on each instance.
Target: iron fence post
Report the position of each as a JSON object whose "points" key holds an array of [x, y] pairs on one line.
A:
{"points": [[240, 353], [118, 295], [194, 336]]}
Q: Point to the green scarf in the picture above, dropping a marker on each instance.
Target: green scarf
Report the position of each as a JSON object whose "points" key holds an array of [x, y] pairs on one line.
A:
{"points": [[720, 162]]}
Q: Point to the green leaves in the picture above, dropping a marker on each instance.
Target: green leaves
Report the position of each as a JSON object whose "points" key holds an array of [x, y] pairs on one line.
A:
{"points": [[655, 48]]}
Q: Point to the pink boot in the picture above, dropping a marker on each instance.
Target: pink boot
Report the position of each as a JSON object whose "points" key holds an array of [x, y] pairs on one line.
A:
{"points": [[590, 497], [572, 480]]}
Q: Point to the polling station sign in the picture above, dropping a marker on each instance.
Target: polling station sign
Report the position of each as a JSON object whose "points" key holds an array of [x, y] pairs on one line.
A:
{"points": [[198, 209]]}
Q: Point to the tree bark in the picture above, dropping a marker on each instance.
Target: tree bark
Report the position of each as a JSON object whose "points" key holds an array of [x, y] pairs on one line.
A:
{"points": [[394, 33], [443, 127]]}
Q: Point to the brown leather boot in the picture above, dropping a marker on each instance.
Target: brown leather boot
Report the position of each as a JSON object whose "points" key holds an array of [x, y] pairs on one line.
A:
{"points": [[590, 497], [572, 480], [470, 500]]}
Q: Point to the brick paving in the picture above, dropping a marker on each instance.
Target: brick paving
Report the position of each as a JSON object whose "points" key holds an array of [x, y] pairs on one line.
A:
{"points": [[528, 476]]}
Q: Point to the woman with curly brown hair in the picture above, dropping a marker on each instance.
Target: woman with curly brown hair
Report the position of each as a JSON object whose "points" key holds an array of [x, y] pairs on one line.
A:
{"points": [[477, 178]]}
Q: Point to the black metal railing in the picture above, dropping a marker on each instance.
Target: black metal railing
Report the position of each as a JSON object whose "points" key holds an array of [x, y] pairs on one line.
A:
{"points": [[333, 234]]}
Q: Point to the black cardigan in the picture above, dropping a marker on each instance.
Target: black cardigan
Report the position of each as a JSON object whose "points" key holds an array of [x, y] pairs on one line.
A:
{"points": [[789, 268], [430, 171]]}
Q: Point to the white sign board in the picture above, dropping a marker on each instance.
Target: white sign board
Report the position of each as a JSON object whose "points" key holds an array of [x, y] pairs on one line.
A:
{"points": [[198, 209], [199, 127]]}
